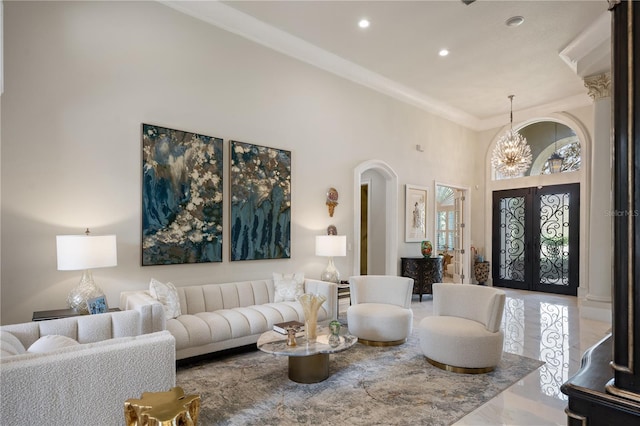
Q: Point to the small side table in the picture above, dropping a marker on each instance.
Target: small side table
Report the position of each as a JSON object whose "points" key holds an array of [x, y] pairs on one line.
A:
{"points": [[344, 291], [172, 408], [60, 313]]}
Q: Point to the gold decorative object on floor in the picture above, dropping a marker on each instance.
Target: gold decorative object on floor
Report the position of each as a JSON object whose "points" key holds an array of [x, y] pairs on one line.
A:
{"points": [[172, 408]]}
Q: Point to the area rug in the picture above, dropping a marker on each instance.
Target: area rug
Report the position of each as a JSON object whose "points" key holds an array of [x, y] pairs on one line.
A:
{"points": [[366, 386]]}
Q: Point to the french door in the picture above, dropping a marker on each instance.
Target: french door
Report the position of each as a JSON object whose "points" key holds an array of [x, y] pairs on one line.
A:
{"points": [[536, 234], [459, 271]]}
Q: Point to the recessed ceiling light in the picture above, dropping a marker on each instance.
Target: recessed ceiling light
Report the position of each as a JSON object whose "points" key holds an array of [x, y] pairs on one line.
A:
{"points": [[364, 23], [514, 21], [443, 52]]}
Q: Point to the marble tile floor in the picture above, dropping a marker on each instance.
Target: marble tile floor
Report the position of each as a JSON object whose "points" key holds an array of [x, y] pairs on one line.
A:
{"points": [[537, 325]]}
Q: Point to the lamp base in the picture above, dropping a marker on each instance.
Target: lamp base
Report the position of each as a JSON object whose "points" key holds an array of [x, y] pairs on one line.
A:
{"points": [[330, 273], [85, 290]]}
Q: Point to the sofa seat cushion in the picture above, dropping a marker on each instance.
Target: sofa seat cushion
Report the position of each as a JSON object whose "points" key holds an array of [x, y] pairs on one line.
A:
{"points": [[379, 322], [210, 327]]}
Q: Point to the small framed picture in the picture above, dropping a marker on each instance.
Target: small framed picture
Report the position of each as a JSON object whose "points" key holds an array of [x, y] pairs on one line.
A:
{"points": [[97, 305], [415, 221]]}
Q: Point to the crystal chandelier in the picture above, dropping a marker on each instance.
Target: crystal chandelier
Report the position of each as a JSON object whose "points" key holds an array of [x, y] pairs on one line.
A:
{"points": [[511, 156]]}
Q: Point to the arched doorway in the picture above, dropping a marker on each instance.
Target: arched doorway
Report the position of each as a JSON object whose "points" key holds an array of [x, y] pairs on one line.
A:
{"points": [[557, 132], [370, 172]]}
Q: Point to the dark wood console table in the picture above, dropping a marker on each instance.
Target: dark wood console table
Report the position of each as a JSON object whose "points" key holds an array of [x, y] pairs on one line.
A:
{"points": [[589, 401], [424, 270], [61, 313]]}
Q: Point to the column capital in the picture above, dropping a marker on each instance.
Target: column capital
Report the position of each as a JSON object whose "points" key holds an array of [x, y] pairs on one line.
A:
{"points": [[599, 85]]}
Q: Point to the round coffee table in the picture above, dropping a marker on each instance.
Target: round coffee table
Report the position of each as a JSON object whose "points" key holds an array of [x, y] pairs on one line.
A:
{"points": [[308, 362]]}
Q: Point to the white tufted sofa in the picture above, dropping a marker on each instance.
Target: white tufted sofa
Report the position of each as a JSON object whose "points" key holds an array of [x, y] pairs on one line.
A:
{"points": [[86, 383], [215, 317]]}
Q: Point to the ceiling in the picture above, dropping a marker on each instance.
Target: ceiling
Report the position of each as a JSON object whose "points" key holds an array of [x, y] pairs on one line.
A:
{"points": [[540, 61]]}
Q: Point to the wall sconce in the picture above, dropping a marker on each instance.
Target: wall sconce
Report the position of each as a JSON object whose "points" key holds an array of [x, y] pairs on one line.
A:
{"points": [[331, 246], [84, 252], [332, 200]]}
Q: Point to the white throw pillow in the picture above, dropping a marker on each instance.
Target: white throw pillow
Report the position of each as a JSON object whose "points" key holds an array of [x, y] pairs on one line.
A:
{"points": [[168, 296], [10, 344], [51, 343], [288, 286]]}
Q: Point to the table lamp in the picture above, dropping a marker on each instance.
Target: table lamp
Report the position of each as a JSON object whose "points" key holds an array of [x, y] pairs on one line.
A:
{"points": [[84, 252], [331, 246]]}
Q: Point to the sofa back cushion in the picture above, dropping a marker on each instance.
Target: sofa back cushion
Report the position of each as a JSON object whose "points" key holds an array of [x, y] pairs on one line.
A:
{"points": [[83, 328], [213, 297]]}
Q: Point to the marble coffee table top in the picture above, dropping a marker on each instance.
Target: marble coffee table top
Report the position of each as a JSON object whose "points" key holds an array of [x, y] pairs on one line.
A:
{"points": [[276, 343]]}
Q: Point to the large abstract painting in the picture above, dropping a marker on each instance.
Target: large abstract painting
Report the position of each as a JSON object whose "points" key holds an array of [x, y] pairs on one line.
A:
{"points": [[181, 197], [260, 202]]}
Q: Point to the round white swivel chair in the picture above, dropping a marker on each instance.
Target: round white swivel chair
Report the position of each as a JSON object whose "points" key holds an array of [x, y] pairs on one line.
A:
{"points": [[464, 334], [380, 313]]}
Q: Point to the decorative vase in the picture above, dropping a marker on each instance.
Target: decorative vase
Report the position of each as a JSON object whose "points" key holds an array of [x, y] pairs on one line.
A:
{"points": [[291, 336], [481, 272], [334, 338], [310, 305], [426, 248]]}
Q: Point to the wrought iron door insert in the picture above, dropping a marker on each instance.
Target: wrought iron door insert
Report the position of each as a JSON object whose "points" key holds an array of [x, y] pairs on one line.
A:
{"points": [[536, 238]]}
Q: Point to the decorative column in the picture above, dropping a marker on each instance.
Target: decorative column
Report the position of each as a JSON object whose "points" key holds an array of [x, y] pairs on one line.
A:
{"points": [[597, 302], [606, 390], [626, 139]]}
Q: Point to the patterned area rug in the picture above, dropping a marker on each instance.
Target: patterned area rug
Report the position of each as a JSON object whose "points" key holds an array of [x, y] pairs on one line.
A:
{"points": [[366, 386]]}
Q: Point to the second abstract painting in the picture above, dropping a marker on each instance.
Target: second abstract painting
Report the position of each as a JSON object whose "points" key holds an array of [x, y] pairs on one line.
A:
{"points": [[260, 202]]}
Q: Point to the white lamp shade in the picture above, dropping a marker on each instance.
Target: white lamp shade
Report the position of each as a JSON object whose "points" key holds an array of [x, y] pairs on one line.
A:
{"points": [[331, 245], [77, 252]]}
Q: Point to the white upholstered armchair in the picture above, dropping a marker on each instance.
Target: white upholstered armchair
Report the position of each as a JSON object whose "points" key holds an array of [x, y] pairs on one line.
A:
{"points": [[380, 313], [464, 334]]}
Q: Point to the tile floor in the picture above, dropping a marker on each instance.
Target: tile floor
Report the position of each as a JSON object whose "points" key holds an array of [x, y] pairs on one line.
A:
{"points": [[542, 326]]}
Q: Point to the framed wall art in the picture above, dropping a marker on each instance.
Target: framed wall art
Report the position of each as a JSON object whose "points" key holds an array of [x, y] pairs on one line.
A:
{"points": [[415, 221], [260, 202], [97, 305], [181, 197]]}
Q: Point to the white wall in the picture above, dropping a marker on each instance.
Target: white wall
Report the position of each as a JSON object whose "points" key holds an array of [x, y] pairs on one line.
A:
{"points": [[80, 77]]}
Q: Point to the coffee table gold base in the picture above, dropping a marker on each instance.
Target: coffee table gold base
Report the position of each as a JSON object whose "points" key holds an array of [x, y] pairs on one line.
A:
{"points": [[309, 369]]}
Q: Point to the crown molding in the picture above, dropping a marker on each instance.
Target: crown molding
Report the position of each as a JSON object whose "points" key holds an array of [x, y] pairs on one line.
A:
{"points": [[590, 52], [244, 25], [519, 116]]}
